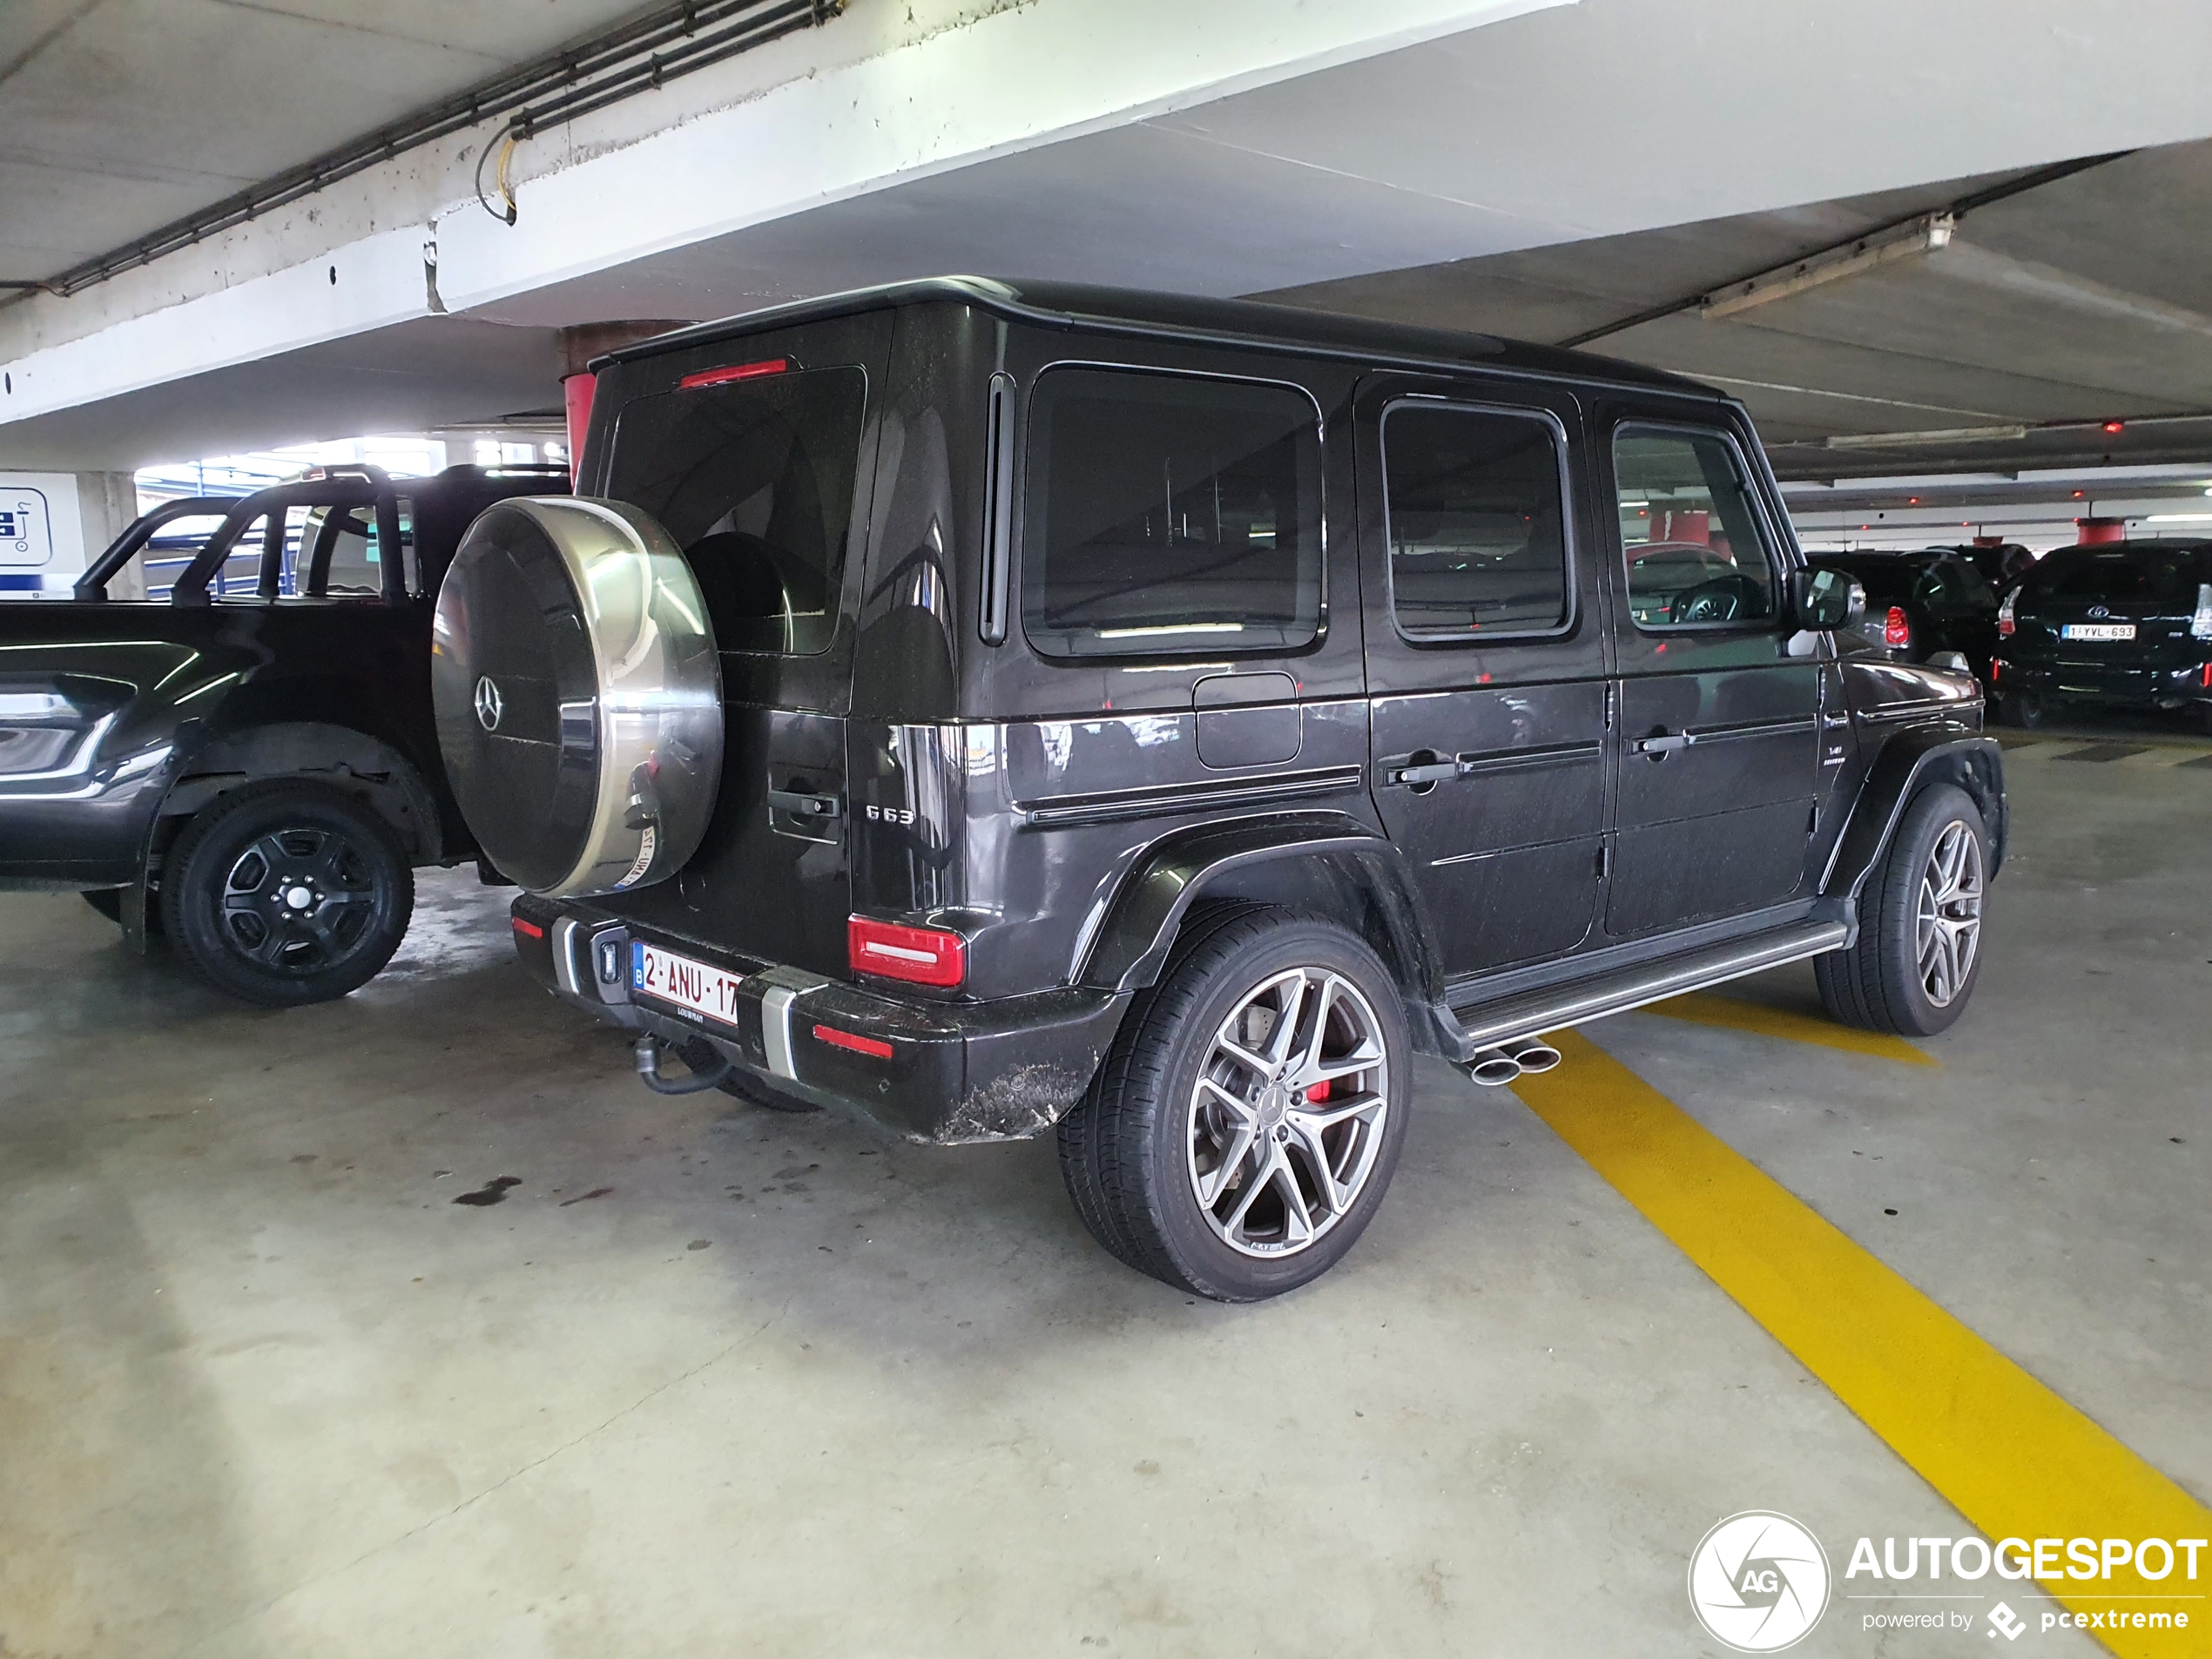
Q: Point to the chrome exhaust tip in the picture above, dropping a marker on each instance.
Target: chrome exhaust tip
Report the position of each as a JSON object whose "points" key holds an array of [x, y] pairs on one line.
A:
{"points": [[1535, 1056], [1493, 1068]]}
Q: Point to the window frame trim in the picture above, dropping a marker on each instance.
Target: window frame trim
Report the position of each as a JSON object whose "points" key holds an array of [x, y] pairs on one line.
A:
{"points": [[1570, 542], [1017, 600], [1747, 480]]}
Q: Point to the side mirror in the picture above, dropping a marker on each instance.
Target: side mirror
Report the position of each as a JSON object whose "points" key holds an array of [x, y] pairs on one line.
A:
{"points": [[1827, 600]]}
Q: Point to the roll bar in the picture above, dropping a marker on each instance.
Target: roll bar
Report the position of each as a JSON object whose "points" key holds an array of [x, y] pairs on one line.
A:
{"points": [[93, 584], [352, 486]]}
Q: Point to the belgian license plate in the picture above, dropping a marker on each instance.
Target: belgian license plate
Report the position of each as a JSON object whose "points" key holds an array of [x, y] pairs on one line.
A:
{"points": [[698, 986], [2098, 631]]}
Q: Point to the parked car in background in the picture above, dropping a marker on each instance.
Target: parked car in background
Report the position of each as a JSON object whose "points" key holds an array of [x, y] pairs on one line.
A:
{"points": [[2001, 566], [1001, 711], [1932, 606], [254, 772], [2124, 624]]}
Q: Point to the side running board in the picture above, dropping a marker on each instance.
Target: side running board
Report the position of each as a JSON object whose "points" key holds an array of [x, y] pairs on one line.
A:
{"points": [[1510, 1020]]}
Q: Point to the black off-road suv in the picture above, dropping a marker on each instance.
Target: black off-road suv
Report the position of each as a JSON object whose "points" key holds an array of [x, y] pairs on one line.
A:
{"points": [[999, 709]]}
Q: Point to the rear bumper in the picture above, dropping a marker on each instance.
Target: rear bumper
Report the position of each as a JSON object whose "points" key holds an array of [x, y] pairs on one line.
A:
{"points": [[2109, 683], [939, 1072]]}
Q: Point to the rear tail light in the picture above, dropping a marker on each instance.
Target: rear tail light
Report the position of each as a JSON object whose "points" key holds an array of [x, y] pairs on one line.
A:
{"points": [[2201, 623], [1897, 632], [2004, 624], [918, 956]]}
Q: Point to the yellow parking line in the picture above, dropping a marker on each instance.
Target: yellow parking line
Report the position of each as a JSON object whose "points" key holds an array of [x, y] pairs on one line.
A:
{"points": [[1703, 1008], [2008, 1453]]}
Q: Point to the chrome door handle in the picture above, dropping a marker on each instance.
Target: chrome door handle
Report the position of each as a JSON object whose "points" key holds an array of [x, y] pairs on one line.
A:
{"points": [[798, 805], [1665, 743]]}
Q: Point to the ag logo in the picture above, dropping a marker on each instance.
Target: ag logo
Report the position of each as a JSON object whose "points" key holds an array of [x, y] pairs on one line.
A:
{"points": [[1758, 1581], [489, 706]]}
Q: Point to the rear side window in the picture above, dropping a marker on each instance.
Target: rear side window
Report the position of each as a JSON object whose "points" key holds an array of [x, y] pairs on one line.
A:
{"points": [[1478, 539], [2134, 576], [1171, 515], [754, 480], [1695, 556]]}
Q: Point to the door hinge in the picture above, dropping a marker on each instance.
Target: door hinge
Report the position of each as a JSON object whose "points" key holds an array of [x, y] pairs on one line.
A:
{"points": [[1604, 860]]}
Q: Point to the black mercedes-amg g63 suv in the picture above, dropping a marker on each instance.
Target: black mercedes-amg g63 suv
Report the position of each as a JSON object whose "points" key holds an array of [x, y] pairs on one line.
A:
{"points": [[998, 709]]}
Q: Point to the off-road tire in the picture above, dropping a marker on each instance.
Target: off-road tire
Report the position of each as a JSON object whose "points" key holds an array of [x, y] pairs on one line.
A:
{"points": [[1124, 1149], [1875, 983], [311, 819]]}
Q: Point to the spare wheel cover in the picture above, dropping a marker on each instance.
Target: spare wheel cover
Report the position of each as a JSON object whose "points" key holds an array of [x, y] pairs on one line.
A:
{"points": [[578, 695]]}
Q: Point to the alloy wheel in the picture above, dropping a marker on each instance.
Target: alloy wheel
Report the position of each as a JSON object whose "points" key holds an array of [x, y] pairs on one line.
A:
{"points": [[1287, 1116], [1947, 928]]}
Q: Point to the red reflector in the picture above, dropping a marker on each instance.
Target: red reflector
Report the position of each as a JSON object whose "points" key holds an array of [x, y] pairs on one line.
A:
{"points": [[529, 927], [1995, 669], [1896, 631], [857, 1043], [918, 956], [2205, 680], [734, 371]]}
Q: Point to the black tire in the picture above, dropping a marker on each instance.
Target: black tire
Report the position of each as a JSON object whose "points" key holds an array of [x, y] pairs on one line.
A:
{"points": [[108, 901], [1127, 1150], [226, 887], [1878, 982], [2023, 709]]}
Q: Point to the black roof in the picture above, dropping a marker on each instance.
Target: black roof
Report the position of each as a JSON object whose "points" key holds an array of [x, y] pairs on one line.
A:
{"points": [[1239, 322]]}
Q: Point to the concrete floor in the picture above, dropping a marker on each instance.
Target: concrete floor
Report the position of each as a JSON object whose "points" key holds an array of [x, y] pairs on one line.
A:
{"points": [[713, 1381]]}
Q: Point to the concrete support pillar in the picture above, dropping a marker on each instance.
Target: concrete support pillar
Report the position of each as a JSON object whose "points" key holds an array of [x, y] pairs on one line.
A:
{"points": [[52, 524], [579, 345]]}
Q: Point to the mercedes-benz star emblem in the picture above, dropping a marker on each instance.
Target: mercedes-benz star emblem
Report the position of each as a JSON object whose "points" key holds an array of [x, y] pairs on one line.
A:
{"points": [[488, 706]]}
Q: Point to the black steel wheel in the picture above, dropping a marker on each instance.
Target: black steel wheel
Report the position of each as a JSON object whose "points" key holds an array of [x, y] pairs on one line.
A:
{"points": [[1919, 952], [287, 892], [1245, 1124]]}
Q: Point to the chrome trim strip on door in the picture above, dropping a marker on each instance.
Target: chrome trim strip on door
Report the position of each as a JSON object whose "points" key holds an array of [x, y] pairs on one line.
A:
{"points": [[1099, 809]]}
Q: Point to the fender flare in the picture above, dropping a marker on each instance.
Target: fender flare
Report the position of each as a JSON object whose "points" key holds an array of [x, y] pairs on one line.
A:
{"points": [[1125, 944], [317, 752], [1947, 754]]}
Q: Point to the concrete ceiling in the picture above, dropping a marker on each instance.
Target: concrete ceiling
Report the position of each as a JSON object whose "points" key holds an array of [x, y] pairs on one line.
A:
{"points": [[117, 117], [1531, 176], [2081, 301]]}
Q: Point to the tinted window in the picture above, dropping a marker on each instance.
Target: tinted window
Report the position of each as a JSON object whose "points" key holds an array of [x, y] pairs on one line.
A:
{"points": [[754, 480], [2135, 576], [1169, 514], [1952, 587], [1696, 556], [1477, 522]]}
